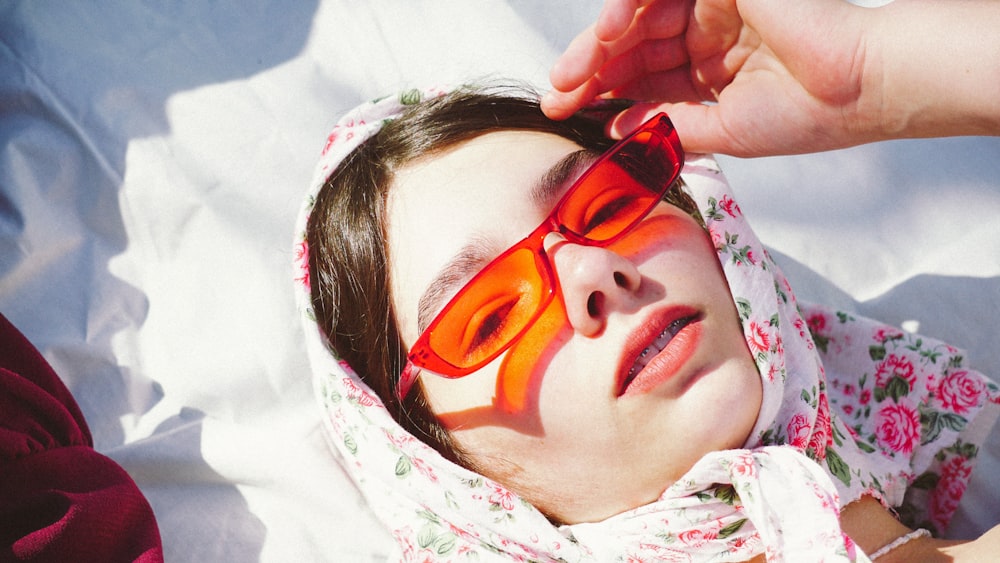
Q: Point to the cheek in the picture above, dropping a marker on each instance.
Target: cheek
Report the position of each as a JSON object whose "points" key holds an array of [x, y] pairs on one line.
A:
{"points": [[505, 393], [524, 365], [669, 232]]}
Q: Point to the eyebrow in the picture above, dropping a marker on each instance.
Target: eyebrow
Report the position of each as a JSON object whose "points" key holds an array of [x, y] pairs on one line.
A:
{"points": [[551, 186], [478, 253]]}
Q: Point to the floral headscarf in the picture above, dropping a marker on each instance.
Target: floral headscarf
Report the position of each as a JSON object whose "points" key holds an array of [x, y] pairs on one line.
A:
{"points": [[850, 407]]}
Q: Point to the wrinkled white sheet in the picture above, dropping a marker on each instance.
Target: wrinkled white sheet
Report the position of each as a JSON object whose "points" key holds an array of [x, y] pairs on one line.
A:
{"points": [[152, 159]]}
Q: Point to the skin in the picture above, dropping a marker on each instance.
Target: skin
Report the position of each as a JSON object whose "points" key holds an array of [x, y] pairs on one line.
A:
{"points": [[792, 77], [789, 77], [570, 442]]}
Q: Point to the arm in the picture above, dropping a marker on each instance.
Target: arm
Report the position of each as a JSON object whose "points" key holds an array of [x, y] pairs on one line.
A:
{"points": [[790, 77], [871, 527], [941, 67]]}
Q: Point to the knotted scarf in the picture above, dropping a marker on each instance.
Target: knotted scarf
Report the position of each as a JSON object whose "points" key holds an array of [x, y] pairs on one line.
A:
{"points": [[851, 407]]}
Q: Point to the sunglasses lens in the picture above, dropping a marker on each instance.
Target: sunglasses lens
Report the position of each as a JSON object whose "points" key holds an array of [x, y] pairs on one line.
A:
{"points": [[491, 310], [620, 190]]}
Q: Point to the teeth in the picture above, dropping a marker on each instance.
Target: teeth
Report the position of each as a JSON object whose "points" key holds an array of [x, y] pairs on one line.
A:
{"points": [[656, 346]]}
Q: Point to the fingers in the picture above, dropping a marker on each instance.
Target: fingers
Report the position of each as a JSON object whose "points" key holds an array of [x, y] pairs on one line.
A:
{"points": [[560, 105], [698, 126], [592, 49], [672, 85], [582, 59], [653, 70], [631, 37], [615, 18]]}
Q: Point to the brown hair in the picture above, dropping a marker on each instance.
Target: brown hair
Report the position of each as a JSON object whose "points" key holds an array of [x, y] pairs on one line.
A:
{"points": [[348, 243]]}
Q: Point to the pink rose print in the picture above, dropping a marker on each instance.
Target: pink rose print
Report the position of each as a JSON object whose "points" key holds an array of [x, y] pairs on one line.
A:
{"points": [[331, 139], [302, 259], [898, 428], [718, 241], [501, 497], [730, 206], [354, 392], [744, 466], [696, 537], [851, 547], [401, 441], [951, 486], [757, 338], [424, 468], [821, 435], [779, 345], [800, 325], [895, 377], [798, 431], [960, 392], [827, 500], [816, 322], [887, 333], [865, 397], [404, 537]]}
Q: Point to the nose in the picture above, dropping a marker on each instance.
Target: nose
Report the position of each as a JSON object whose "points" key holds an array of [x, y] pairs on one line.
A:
{"points": [[594, 281]]}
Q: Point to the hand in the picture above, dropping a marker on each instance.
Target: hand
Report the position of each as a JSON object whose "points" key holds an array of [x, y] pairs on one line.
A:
{"points": [[788, 77], [982, 549]]}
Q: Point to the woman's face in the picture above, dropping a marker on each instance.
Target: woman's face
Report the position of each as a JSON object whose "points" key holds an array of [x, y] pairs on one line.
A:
{"points": [[558, 418]]}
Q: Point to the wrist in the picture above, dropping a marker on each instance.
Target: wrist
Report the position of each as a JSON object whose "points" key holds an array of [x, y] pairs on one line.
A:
{"points": [[934, 68]]}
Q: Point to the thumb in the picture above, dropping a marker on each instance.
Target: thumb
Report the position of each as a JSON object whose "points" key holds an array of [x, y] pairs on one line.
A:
{"points": [[698, 125]]}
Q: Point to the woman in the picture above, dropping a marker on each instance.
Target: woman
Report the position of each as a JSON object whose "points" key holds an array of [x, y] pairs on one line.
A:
{"points": [[633, 380]]}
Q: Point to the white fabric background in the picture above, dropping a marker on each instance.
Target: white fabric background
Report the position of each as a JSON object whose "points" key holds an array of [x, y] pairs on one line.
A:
{"points": [[152, 161]]}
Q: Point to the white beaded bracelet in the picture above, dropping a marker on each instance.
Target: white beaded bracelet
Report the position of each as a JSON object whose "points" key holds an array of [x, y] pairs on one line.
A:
{"points": [[901, 540]]}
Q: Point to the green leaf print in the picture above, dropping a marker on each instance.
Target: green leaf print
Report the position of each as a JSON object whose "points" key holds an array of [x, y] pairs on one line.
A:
{"points": [[927, 481], [726, 494], [864, 446], [334, 396], [822, 342], [933, 422], [350, 444], [712, 212], [744, 308], [876, 353], [410, 97], [965, 449], [897, 388], [445, 543], [403, 466], [425, 537], [838, 468], [732, 528], [879, 393]]}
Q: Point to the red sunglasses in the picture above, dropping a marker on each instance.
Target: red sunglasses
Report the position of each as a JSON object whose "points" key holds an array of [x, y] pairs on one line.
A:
{"points": [[497, 306]]}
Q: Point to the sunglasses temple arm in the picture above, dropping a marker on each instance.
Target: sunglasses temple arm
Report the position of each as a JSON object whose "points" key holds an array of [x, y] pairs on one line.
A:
{"points": [[406, 380]]}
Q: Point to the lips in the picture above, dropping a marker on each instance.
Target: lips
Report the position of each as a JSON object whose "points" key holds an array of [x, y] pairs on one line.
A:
{"points": [[658, 349]]}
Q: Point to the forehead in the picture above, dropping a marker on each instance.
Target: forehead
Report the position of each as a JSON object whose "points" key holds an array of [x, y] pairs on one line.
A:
{"points": [[476, 191]]}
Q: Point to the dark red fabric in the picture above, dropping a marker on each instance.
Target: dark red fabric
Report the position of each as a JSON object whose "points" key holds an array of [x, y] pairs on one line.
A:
{"points": [[60, 500]]}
